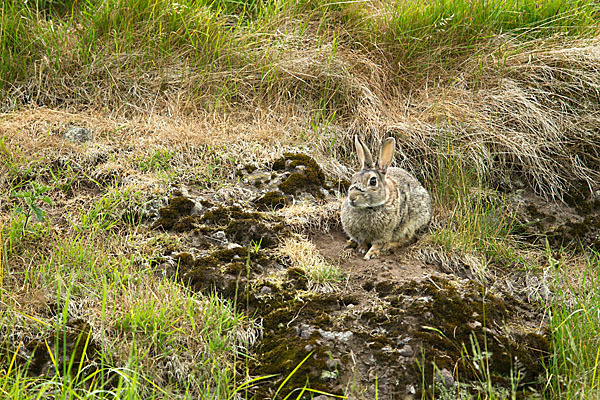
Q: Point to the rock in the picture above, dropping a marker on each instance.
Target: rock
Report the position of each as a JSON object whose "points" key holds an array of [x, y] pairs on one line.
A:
{"points": [[265, 290], [406, 351], [336, 336], [198, 208], [329, 375], [332, 362], [444, 377], [78, 134], [220, 236]]}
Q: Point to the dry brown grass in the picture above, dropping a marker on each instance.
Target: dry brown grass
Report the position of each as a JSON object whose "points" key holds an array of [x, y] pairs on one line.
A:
{"points": [[509, 108]]}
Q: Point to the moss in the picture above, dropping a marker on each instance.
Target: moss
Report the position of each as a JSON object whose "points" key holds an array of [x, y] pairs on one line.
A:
{"points": [[182, 205], [450, 316], [248, 232], [227, 255], [185, 224], [235, 268], [310, 178], [300, 182], [271, 201], [184, 260], [282, 350], [206, 203], [178, 207], [246, 169], [221, 216], [283, 357], [224, 271], [296, 279]]}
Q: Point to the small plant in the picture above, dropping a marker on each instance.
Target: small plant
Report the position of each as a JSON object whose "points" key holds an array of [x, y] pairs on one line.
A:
{"points": [[30, 202], [304, 254], [159, 161]]}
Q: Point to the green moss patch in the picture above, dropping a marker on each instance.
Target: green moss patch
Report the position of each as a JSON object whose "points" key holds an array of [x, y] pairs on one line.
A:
{"points": [[305, 174], [221, 216], [282, 350], [272, 200], [451, 321], [179, 206], [250, 232]]}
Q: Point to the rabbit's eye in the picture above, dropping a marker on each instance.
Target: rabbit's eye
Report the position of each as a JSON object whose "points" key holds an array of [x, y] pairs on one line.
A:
{"points": [[373, 181]]}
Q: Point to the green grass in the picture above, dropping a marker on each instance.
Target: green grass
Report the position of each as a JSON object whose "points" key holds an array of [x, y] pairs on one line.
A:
{"points": [[574, 365], [478, 219], [230, 52], [138, 320], [333, 63], [446, 30]]}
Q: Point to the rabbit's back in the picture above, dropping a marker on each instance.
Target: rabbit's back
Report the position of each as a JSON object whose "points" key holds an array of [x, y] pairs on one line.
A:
{"points": [[416, 210]]}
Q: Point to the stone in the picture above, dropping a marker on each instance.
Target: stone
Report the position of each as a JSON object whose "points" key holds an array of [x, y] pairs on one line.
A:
{"points": [[265, 290], [444, 377], [406, 351], [220, 236]]}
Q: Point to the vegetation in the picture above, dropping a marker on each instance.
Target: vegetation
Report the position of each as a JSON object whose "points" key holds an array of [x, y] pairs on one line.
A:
{"points": [[487, 100]]}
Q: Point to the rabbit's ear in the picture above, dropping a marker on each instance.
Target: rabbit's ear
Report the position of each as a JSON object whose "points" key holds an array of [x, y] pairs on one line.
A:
{"points": [[364, 155], [387, 153]]}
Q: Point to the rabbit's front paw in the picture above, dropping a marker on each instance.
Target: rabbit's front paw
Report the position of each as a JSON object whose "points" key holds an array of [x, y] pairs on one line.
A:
{"points": [[373, 252], [363, 248]]}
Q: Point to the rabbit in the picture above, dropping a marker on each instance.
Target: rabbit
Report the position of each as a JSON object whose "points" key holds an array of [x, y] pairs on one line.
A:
{"points": [[385, 207]]}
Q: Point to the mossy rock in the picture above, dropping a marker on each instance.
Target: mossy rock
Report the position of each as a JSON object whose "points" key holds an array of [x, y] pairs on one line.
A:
{"points": [[272, 200], [451, 317], [170, 215], [221, 216], [305, 175], [224, 271], [281, 350], [250, 232]]}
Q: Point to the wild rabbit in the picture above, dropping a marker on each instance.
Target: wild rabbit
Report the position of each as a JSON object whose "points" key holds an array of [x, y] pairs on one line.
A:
{"points": [[385, 207]]}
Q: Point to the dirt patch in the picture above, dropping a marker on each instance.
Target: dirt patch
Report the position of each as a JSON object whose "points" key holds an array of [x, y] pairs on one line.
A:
{"points": [[397, 266], [575, 225], [73, 349], [389, 325]]}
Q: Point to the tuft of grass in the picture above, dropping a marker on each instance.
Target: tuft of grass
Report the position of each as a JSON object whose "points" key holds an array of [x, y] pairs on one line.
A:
{"points": [[160, 160], [574, 364], [304, 255], [476, 220]]}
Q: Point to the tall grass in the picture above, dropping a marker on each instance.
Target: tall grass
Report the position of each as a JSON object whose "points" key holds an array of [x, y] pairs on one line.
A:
{"points": [[476, 218], [443, 30], [238, 51], [574, 368]]}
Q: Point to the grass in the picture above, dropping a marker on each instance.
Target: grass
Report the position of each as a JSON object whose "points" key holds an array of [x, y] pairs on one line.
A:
{"points": [[477, 219], [99, 286], [484, 98], [303, 254], [575, 322]]}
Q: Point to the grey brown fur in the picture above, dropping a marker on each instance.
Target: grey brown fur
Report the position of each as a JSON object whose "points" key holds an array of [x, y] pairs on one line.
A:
{"points": [[385, 207]]}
